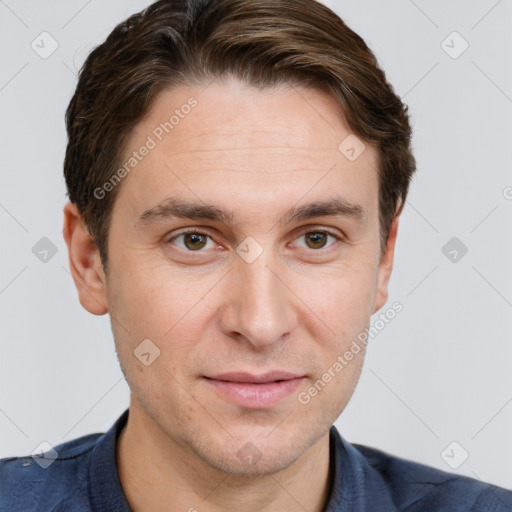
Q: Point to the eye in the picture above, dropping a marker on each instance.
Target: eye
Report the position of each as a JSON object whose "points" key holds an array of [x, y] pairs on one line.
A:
{"points": [[193, 241], [196, 241], [318, 239]]}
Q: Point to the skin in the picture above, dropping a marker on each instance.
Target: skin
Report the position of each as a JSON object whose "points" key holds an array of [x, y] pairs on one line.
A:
{"points": [[297, 307]]}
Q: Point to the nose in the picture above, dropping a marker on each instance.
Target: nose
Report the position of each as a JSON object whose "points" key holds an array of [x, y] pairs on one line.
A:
{"points": [[259, 305]]}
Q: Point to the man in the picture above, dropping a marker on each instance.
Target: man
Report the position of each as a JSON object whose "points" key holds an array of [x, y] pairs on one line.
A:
{"points": [[236, 170]]}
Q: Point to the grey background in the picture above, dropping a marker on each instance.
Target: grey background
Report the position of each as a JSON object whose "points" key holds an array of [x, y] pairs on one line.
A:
{"points": [[438, 373]]}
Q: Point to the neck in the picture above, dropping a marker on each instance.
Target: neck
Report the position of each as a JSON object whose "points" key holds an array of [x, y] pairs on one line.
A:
{"points": [[158, 474]]}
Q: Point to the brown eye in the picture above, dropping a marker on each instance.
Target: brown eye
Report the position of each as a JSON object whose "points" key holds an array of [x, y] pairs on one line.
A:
{"points": [[192, 241], [316, 240]]}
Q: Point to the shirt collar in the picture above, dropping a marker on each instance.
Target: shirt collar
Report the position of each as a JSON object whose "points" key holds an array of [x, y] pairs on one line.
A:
{"points": [[357, 486], [105, 491]]}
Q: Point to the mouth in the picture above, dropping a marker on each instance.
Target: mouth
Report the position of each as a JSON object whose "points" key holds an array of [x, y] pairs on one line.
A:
{"points": [[252, 391]]}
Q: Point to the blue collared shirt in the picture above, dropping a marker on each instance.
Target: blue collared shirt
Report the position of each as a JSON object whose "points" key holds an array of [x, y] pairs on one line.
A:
{"points": [[83, 477]]}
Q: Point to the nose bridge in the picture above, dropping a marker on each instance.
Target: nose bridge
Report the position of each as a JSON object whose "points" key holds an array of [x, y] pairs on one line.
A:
{"points": [[259, 305]]}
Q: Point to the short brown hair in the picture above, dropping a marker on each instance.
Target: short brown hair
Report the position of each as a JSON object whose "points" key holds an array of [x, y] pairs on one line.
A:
{"points": [[262, 42]]}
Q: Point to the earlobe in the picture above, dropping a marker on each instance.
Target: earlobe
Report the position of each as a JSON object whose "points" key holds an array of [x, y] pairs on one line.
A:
{"points": [[84, 262], [385, 268]]}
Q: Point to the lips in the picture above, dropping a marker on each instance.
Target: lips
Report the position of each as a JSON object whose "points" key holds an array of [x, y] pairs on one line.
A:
{"points": [[250, 391], [257, 379]]}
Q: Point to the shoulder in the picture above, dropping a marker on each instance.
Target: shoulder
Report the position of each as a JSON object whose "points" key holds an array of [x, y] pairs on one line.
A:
{"points": [[417, 487], [49, 480]]}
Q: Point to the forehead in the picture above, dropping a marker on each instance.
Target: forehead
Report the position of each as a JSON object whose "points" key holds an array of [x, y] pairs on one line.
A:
{"points": [[228, 138], [305, 119]]}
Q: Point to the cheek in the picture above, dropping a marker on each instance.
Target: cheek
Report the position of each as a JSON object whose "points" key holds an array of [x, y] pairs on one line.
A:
{"points": [[343, 297], [169, 308], [154, 306], [155, 300]]}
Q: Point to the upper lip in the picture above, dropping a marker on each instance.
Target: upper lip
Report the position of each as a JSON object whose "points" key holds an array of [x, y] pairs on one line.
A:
{"points": [[260, 379]]}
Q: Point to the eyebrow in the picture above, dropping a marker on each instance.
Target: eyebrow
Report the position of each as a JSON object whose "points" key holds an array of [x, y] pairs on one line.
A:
{"points": [[173, 207]]}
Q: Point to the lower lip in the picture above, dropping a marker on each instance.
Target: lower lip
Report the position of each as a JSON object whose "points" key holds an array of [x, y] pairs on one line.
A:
{"points": [[255, 396]]}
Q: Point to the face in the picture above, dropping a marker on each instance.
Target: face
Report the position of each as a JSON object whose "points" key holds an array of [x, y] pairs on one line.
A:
{"points": [[236, 271]]}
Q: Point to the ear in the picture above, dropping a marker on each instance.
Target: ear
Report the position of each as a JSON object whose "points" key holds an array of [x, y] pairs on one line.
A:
{"points": [[385, 268], [84, 262]]}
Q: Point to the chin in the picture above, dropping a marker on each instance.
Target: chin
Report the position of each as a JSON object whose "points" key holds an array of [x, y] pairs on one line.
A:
{"points": [[254, 451], [250, 461]]}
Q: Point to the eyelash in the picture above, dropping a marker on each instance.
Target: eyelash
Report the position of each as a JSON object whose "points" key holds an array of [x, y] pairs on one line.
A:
{"points": [[202, 233]]}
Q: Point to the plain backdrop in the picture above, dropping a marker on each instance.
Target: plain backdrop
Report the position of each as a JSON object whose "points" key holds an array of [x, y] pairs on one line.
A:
{"points": [[437, 382]]}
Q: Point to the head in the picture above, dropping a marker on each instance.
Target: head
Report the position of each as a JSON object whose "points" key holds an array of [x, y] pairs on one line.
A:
{"points": [[267, 131]]}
